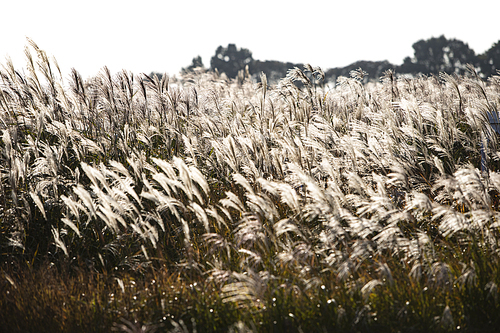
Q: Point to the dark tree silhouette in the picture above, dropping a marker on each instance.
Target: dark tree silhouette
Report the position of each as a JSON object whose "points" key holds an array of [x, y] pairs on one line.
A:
{"points": [[374, 69], [436, 55], [274, 70], [490, 60], [197, 62], [231, 60]]}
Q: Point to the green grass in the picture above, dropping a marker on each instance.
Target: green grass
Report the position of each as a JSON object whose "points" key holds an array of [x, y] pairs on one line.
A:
{"points": [[211, 205]]}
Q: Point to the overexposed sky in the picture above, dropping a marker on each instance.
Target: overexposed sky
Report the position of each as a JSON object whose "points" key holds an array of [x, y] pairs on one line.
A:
{"points": [[163, 36]]}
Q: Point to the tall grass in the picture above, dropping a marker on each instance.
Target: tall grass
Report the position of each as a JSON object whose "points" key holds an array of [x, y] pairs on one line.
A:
{"points": [[199, 203]]}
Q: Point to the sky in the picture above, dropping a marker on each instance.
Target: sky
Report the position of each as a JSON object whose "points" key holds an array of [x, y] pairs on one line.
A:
{"points": [[164, 36]]}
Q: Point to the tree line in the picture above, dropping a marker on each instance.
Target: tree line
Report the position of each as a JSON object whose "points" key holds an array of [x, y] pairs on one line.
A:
{"points": [[431, 57]]}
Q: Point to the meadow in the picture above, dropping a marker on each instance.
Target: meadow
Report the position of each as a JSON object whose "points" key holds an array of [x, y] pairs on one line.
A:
{"points": [[202, 204]]}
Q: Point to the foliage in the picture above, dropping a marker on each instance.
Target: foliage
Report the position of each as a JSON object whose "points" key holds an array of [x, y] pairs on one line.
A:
{"points": [[374, 69], [490, 60], [431, 57], [196, 63], [213, 204], [274, 70], [231, 60], [440, 54]]}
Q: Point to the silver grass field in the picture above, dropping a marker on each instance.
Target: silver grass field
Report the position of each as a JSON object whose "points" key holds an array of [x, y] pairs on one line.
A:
{"points": [[202, 204]]}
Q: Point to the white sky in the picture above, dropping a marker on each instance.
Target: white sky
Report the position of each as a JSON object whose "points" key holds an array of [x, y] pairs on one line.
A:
{"points": [[163, 36]]}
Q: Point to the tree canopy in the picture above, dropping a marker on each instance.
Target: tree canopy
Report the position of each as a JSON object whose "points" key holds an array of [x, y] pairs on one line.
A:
{"points": [[490, 60], [440, 54], [231, 60], [431, 57], [197, 62]]}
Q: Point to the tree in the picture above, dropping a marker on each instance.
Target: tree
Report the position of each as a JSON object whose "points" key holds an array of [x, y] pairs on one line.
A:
{"points": [[374, 69], [274, 70], [436, 55], [231, 60], [197, 62], [490, 60]]}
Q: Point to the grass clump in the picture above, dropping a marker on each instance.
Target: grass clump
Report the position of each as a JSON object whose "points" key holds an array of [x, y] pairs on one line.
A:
{"points": [[206, 204]]}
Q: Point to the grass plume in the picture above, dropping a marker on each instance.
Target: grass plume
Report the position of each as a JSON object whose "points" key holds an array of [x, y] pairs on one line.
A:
{"points": [[139, 203]]}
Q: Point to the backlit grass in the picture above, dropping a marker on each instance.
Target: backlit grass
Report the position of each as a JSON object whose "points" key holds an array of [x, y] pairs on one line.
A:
{"points": [[132, 203]]}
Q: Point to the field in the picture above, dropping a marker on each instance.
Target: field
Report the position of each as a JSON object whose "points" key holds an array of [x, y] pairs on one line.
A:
{"points": [[202, 204]]}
